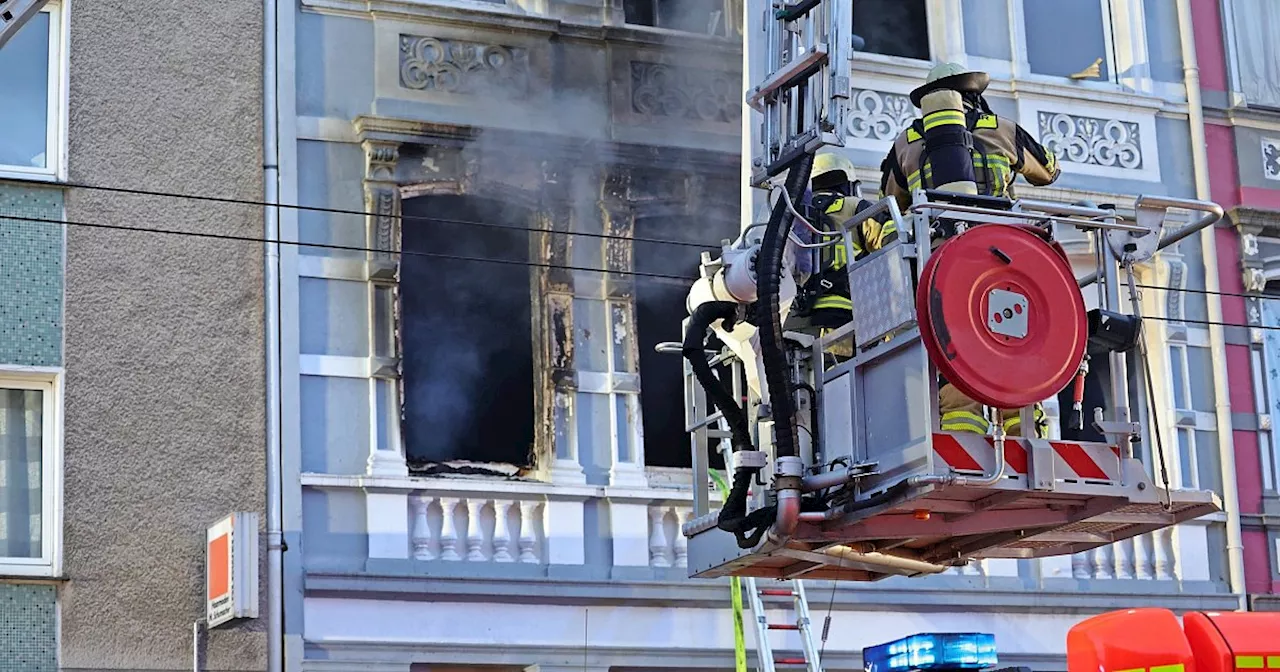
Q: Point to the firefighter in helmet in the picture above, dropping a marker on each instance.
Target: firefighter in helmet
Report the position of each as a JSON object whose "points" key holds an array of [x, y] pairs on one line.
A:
{"points": [[832, 201], [960, 145]]}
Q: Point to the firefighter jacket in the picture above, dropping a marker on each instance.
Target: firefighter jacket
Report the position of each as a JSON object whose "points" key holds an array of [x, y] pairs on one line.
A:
{"points": [[830, 285], [1001, 150]]}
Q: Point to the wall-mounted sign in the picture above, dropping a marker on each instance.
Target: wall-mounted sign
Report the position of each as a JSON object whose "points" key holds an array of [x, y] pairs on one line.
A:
{"points": [[231, 569]]}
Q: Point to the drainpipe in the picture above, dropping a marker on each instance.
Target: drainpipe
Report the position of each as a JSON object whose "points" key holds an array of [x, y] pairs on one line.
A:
{"points": [[1209, 250], [271, 323]]}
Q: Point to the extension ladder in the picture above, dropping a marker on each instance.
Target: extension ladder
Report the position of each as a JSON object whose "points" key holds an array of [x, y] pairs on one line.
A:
{"points": [[766, 658]]}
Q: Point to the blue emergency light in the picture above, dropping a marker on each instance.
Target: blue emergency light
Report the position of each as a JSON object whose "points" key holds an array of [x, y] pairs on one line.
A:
{"points": [[934, 651]]}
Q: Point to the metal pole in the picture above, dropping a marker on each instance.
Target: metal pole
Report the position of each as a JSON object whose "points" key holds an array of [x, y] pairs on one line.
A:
{"points": [[271, 282], [1119, 363], [1217, 341]]}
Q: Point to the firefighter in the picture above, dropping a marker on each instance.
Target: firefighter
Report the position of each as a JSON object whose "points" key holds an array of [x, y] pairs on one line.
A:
{"points": [[832, 201], [960, 145]]}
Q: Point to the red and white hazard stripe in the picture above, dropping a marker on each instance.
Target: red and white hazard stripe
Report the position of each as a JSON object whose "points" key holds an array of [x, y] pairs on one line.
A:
{"points": [[964, 451]]}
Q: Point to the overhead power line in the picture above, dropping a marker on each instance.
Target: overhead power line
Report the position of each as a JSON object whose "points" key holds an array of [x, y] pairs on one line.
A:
{"points": [[365, 213], [351, 248], [515, 262]]}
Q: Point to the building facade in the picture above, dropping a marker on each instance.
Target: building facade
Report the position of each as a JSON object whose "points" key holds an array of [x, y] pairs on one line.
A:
{"points": [[1242, 112], [484, 463], [131, 368]]}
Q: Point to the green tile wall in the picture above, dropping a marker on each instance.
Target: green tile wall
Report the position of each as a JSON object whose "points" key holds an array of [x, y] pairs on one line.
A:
{"points": [[30, 277], [28, 641]]}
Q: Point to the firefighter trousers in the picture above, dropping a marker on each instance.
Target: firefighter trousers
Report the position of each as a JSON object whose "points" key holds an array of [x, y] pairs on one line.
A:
{"points": [[962, 414]]}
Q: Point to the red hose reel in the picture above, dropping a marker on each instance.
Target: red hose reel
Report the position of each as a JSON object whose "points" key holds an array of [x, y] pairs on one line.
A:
{"points": [[1001, 315]]}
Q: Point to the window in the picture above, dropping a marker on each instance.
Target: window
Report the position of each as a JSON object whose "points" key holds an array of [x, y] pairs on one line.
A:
{"points": [[1088, 22], [1254, 23], [31, 117], [660, 311], [892, 28], [711, 17], [466, 333], [29, 470]]}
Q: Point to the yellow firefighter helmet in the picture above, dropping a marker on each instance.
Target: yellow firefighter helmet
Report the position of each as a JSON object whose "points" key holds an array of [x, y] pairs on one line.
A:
{"points": [[831, 169]]}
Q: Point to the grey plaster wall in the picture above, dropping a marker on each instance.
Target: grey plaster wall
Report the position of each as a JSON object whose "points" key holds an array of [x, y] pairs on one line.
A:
{"points": [[164, 337], [1251, 159]]}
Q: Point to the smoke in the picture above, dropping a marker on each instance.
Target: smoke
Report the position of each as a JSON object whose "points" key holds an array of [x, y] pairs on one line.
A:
{"points": [[548, 148]]}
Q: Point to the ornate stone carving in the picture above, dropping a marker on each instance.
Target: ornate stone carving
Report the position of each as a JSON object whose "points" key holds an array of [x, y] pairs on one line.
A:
{"points": [[877, 115], [1248, 244], [382, 202], [454, 66], [1101, 142], [1271, 158], [1177, 274], [380, 159], [1255, 280], [685, 92]]}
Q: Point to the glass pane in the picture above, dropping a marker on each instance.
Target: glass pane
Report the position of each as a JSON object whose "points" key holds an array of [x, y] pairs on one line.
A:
{"points": [[1200, 371], [1177, 368], [1210, 469], [383, 322], [21, 441], [1185, 459], [1266, 451], [24, 105], [1049, 54], [623, 423]]}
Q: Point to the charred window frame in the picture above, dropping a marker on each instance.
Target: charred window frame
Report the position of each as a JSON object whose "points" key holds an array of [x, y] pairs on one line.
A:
{"points": [[466, 333], [660, 311]]}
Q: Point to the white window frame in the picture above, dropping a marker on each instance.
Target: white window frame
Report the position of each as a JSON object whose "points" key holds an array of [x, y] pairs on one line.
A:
{"points": [[49, 381], [1124, 34], [57, 114]]}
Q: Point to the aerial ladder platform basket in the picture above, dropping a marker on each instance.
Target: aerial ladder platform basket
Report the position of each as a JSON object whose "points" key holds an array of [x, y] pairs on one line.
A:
{"points": [[877, 489], [840, 468]]}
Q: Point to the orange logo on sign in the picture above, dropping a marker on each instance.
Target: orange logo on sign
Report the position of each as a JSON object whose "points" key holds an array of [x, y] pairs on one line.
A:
{"points": [[219, 567]]}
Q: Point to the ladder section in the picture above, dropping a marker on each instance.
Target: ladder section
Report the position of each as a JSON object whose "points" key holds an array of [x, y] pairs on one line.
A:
{"points": [[806, 89], [767, 659], [14, 14]]}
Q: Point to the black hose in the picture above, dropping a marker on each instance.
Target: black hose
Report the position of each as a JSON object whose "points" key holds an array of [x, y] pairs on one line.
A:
{"points": [[694, 350], [773, 350], [733, 515]]}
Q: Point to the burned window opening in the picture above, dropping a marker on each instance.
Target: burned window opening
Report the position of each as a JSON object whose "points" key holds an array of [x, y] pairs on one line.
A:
{"points": [[466, 334], [660, 309], [893, 27]]}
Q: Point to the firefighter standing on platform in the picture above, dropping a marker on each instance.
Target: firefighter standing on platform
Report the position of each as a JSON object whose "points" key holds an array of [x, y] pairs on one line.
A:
{"points": [[833, 201], [958, 145]]}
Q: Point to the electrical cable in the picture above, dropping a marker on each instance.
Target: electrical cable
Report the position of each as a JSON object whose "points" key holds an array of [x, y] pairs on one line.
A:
{"points": [[1209, 293], [451, 257], [332, 246], [365, 213]]}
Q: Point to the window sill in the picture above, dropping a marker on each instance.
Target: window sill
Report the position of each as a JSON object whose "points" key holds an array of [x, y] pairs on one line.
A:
{"points": [[9, 174], [33, 573], [8, 577]]}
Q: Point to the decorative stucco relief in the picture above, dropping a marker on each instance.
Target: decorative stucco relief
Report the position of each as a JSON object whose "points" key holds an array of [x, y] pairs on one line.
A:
{"points": [[454, 66], [1271, 158], [684, 92], [1109, 143], [877, 115]]}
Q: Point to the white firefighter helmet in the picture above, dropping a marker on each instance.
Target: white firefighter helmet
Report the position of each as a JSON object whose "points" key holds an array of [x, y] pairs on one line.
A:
{"points": [[951, 76]]}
